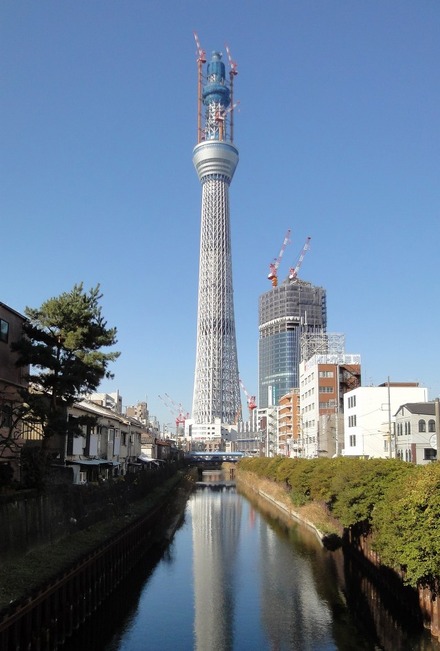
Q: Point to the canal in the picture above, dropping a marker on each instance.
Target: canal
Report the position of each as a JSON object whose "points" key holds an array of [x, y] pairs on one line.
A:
{"points": [[236, 578]]}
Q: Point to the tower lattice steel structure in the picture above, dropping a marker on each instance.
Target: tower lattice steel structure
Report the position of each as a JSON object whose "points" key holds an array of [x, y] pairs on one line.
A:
{"points": [[216, 395]]}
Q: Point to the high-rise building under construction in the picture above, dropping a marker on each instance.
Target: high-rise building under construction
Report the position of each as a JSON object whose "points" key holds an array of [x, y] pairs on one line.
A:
{"points": [[216, 397], [286, 312]]}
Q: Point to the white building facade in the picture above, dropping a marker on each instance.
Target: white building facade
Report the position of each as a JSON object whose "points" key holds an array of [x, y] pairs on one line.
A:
{"points": [[369, 417], [416, 432], [324, 380]]}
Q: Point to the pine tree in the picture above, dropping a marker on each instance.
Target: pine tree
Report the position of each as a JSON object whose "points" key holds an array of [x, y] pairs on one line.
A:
{"points": [[62, 345]]}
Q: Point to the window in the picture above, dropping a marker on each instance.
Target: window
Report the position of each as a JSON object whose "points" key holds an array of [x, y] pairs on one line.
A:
{"points": [[352, 421], [429, 454], [4, 331], [352, 401], [352, 440], [422, 425], [6, 416], [431, 425]]}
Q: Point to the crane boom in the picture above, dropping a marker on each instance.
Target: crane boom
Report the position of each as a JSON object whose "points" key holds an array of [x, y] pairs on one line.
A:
{"points": [[232, 72], [201, 60], [251, 400], [273, 267], [294, 270]]}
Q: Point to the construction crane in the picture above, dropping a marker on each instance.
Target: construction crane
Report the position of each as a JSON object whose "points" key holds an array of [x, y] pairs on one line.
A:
{"points": [[273, 267], [251, 400], [232, 72], [172, 412], [182, 415], [176, 411], [201, 59], [294, 270], [221, 117]]}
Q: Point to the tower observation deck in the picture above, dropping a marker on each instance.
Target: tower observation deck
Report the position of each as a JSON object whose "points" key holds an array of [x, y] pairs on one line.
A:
{"points": [[216, 397]]}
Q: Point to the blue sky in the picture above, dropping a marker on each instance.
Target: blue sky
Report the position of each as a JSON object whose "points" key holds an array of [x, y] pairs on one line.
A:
{"points": [[339, 139]]}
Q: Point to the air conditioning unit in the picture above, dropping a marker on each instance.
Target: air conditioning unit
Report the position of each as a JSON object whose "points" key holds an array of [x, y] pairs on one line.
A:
{"points": [[83, 478]]}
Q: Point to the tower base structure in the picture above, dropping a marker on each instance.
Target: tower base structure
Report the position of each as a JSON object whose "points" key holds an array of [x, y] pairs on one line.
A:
{"points": [[216, 398], [210, 437]]}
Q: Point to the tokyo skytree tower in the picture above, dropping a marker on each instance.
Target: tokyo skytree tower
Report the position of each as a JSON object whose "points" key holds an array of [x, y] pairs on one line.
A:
{"points": [[216, 397]]}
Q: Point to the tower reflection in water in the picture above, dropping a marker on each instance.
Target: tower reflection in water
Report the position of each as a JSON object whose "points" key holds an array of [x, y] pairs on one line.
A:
{"points": [[216, 520], [292, 611]]}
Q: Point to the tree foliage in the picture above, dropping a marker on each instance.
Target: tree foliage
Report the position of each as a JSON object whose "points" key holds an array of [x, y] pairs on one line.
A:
{"points": [[12, 412], [406, 525], [398, 502], [62, 345]]}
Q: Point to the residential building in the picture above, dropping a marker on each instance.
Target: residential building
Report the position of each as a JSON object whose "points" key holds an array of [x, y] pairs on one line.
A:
{"points": [[139, 411], [289, 426], [110, 444], [369, 417], [326, 374], [12, 379], [285, 312], [416, 432], [269, 426], [111, 401]]}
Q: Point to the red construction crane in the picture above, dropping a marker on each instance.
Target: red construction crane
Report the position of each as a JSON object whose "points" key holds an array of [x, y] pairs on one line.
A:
{"points": [[294, 270], [201, 60], [273, 267], [232, 72], [176, 411], [172, 411], [182, 415], [251, 400], [221, 117]]}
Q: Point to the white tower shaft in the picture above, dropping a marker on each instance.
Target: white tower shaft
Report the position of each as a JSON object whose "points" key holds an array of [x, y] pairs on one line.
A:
{"points": [[216, 398]]}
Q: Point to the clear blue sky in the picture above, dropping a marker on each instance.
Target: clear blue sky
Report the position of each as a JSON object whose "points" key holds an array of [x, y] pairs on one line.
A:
{"points": [[338, 133]]}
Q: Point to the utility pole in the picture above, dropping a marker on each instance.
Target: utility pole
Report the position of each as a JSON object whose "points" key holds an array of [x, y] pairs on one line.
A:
{"points": [[437, 424], [389, 420]]}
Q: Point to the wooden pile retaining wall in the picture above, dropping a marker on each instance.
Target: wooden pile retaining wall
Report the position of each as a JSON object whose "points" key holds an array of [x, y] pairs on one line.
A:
{"points": [[48, 616]]}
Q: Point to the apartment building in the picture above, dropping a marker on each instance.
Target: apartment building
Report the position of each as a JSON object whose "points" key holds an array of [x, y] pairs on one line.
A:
{"points": [[369, 417], [12, 379], [289, 426], [327, 373]]}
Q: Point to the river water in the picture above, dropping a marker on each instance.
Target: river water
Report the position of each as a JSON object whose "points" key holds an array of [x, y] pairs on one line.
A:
{"points": [[236, 578]]}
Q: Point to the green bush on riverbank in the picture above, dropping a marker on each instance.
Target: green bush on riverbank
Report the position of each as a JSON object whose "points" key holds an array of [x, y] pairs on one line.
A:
{"points": [[397, 502]]}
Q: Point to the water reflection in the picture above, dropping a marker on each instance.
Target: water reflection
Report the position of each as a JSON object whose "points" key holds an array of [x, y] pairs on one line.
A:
{"points": [[216, 530], [237, 578]]}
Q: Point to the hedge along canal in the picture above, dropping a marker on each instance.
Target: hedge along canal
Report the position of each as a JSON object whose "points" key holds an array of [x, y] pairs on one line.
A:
{"points": [[51, 609]]}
